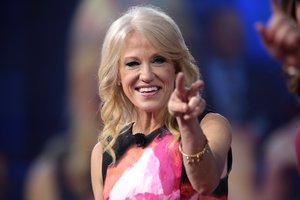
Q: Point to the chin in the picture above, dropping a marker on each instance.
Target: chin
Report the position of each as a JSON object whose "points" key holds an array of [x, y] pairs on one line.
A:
{"points": [[151, 108]]}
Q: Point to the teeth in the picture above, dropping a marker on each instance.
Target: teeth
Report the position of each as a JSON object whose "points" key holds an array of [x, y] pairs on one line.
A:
{"points": [[148, 89]]}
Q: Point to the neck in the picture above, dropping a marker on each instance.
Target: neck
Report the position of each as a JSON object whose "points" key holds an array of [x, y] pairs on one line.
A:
{"points": [[147, 123]]}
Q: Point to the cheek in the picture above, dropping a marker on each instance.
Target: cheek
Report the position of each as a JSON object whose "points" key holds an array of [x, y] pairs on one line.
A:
{"points": [[170, 77], [125, 78], [126, 82]]}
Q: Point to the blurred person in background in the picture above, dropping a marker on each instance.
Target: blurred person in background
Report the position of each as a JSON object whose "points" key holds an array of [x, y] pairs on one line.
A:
{"points": [[225, 69], [226, 74], [62, 170], [281, 37]]}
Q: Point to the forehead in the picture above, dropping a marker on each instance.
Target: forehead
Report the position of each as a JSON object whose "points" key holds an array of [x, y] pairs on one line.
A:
{"points": [[137, 42]]}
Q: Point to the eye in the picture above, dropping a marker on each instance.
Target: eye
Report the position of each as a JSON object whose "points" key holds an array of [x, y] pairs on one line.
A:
{"points": [[132, 63], [159, 60]]}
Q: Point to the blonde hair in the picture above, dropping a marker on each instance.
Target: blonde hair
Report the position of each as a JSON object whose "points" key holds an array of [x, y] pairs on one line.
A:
{"points": [[163, 33]]}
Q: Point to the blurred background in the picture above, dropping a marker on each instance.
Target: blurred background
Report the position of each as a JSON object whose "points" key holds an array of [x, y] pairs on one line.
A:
{"points": [[49, 115]]}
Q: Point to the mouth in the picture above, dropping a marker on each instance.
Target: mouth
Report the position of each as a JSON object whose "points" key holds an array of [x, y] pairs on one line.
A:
{"points": [[148, 89]]}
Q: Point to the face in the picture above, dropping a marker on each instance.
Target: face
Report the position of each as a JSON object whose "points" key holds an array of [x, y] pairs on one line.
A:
{"points": [[147, 78]]}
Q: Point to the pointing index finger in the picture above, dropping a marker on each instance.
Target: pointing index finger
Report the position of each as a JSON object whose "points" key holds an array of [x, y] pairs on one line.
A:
{"points": [[180, 83]]}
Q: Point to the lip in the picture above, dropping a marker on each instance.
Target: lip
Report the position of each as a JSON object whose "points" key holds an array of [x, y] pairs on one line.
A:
{"points": [[148, 94]]}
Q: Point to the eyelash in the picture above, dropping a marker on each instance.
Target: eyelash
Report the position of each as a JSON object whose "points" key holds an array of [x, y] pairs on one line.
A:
{"points": [[133, 63], [159, 60]]}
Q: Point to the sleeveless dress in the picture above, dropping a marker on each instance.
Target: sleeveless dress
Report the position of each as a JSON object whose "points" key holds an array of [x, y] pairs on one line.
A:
{"points": [[151, 167]]}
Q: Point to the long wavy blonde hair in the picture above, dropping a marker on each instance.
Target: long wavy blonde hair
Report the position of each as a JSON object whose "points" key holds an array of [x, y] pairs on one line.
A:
{"points": [[163, 33]]}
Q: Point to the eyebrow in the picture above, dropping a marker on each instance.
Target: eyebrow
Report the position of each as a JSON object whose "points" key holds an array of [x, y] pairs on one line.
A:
{"points": [[129, 58]]}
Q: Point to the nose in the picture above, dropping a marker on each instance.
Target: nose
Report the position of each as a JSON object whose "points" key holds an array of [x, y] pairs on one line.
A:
{"points": [[146, 73]]}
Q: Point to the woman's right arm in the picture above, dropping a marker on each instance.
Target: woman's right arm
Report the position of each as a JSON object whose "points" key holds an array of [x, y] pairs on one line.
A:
{"points": [[96, 171]]}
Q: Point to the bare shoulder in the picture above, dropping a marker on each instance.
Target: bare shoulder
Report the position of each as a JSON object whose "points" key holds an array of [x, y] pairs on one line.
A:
{"points": [[96, 159], [217, 128], [215, 119], [96, 170], [97, 150]]}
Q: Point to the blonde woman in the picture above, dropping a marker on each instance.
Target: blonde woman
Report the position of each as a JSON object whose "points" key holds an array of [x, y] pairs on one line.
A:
{"points": [[159, 141]]}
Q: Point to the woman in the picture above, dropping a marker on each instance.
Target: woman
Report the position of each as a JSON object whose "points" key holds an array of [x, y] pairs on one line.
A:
{"points": [[159, 141], [281, 37]]}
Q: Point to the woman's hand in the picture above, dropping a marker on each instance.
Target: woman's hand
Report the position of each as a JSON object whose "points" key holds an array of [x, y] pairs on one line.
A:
{"points": [[186, 102], [281, 36], [186, 105]]}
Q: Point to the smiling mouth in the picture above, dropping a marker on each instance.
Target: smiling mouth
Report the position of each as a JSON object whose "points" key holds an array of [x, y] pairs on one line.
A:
{"points": [[148, 89]]}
